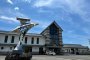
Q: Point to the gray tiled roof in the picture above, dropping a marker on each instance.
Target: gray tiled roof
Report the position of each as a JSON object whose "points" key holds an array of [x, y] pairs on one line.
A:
{"points": [[9, 32], [11, 44], [74, 46]]}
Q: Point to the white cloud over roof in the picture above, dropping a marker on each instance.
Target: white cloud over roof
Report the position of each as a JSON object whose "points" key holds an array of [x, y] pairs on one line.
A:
{"points": [[8, 18], [10, 1], [16, 8], [70, 6]]}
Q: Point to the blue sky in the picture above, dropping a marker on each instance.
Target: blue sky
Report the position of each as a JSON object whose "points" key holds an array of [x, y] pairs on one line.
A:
{"points": [[72, 15]]}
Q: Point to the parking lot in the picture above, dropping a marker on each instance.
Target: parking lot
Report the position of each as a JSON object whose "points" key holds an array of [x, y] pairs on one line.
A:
{"points": [[68, 57]]}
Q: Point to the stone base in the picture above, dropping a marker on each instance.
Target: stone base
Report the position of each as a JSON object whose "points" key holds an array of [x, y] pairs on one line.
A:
{"points": [[17, 58], [25, 56]]}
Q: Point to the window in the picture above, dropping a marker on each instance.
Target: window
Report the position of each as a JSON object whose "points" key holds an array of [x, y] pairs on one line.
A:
{"points": [[37, 40], [12, 40], [2, 48], [6, 38], [54, 34], [25, 39], [10, 48], [32, 41]]}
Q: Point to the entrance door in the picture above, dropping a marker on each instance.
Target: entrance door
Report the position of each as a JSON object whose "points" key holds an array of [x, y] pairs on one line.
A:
{"points": [[41, 50], [30, 49], [27, 49], [57, 50], [77, 51], [72, 51]]}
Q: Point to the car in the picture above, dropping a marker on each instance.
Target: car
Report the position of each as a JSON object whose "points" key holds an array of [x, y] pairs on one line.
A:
{"points": [[50, 53]]}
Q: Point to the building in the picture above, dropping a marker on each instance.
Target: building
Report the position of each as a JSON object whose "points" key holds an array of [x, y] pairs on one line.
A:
{"points": [[49, 39], [53, 38], [75, 49], [8, 41]]}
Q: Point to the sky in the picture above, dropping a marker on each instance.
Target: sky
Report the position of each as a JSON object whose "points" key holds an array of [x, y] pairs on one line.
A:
{"points": [[73, 16]]}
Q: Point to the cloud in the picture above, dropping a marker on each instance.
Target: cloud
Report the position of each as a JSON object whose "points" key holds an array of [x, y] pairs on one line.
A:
{"points": [[12, 13], [8, 19], [41, 24], [22, 1], [86, 30], [29, 1], [40, 10], [41, 3], [16, 8], [75, 38], [9, 15], [71, 37], [48, 3], [79, 7], [10, 1], [18, 1]]}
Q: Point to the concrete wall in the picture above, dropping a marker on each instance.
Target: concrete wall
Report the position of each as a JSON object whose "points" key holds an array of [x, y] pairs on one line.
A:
{"points": [[41, 40], [8, 48], [35, 49], [2, 38], [16, 40], [80, 50]]}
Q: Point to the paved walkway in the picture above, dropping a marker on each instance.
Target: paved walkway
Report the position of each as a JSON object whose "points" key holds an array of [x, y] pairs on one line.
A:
{"points": [[45, 57], [71, 57]]}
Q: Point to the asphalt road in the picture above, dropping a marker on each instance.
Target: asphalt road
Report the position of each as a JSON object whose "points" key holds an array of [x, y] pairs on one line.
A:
{"points": [[45, 57]]}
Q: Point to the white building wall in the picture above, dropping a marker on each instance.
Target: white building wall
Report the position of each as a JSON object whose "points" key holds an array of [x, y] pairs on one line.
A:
{"points": [[28, 40], [83, 50], [41, 40], [80, 50], [35, 49], [16, 39], [67, 50], [6, 48], [2, 37]]}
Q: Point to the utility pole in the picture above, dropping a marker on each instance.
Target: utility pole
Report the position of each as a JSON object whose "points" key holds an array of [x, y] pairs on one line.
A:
{"points": [[89, 43]]}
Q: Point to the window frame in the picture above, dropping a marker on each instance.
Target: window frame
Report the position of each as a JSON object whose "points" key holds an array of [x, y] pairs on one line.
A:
{"points": [[32, 40], [26, 40], [2, 48], [12, 39], [6, 39], [37, 40]]}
